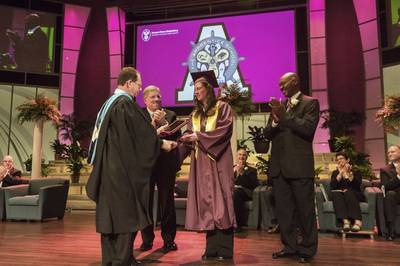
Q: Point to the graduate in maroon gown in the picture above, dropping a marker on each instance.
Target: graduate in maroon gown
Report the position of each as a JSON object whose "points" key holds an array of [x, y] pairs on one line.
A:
{"points": [[210, 192]]}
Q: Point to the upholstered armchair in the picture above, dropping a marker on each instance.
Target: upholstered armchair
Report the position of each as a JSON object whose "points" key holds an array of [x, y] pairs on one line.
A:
{"points": [[326, 213], [42, 198]]}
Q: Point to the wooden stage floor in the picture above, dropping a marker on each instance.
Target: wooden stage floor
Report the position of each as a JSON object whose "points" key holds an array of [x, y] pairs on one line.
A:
{"points": [[73, 241]]}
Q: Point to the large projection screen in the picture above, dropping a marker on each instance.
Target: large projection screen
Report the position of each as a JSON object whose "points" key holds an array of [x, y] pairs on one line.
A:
{"points": [[252, 50]]}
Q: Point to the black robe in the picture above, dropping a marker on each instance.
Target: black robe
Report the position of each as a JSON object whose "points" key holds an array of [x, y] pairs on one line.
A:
{"points": [[127, 149]]}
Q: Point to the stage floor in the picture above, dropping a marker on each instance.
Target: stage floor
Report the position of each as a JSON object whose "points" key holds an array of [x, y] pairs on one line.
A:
{"points": [[73, 241]]}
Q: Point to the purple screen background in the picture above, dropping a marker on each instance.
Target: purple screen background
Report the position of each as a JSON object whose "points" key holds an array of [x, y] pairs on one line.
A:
{"points": [[266, 41]]}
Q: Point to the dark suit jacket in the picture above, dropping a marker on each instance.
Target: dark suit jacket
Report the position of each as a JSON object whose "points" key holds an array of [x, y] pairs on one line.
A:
{"points": [[389, 178], [9, 180], [167, 163], [248, 180], [15, 173], [292, 152]]}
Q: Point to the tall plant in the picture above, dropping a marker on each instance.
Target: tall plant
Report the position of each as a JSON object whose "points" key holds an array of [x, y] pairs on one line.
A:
{"points": [[360, 160], [38, 110]]}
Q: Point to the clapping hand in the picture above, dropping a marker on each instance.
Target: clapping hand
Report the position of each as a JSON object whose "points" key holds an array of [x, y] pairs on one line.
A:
{"points": [[277, 109], [159, 117]]}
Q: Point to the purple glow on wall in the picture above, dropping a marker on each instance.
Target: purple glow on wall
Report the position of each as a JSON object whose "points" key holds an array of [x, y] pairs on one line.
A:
{"points": [[66, 105], [114, 42], [115, 65], [113, 20], [374, 93], [318, 55], [67, 85], [369, 35], [372, 64], [75, 15], [317, 24], [72, 38], [365, 9], [318, 78], [316, 4], [70, 61]]}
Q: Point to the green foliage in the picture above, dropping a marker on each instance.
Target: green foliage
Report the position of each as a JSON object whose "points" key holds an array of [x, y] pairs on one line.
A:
{"points": [[45, 169], [75, 155], [239, 100], [340, 123], [389, 114], [241, 144], [262, 165], [73, 130], [28, 164], [318, 171], [257, 134], [39, 108], [359, 160], [58, 147]]}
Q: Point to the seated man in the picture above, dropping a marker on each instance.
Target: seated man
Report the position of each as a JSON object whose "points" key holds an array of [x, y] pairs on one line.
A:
{"points": [[390, 179], [7, 180], [245, 182]]}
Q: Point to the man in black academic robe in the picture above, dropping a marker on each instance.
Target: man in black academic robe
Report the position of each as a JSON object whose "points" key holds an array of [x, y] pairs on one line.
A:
{"points": [[291, 129], [123, 151]]}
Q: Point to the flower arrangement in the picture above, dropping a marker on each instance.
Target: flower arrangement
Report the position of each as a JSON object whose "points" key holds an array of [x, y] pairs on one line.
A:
{"points": [[239, 100], [39, 108], [389, 115]]}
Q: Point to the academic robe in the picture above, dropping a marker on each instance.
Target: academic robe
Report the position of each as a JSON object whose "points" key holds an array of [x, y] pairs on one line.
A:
{"points": [[211, 181], [127, 149]]}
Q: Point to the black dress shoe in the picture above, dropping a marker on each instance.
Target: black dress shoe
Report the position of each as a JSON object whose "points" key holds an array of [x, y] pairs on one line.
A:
{"points": [[223, 258], [135, 262], [146, 246], [170, 247], [282, 254], [205, 257], [305, 259]]}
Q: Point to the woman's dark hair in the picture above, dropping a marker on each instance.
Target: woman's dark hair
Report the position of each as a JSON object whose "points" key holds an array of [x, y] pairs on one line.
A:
{"points": [[342, 153], [211, 100]]}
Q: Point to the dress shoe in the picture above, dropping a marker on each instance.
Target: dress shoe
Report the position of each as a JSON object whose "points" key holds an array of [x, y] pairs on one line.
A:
{"points": [[146, 246], [305, 259], [223, 258], [346, 227], [135, 262], [205, 257], [273, 229], [170, 247], [282, 254]]}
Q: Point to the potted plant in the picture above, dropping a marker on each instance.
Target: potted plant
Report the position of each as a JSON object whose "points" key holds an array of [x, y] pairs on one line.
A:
{"points": [[360, 160], [262, 165], [72, 130], [339, 124], [389, 115], [38, 110], [238, 99], [260, 141], [28, 164], [58, 148], [75, 155]]}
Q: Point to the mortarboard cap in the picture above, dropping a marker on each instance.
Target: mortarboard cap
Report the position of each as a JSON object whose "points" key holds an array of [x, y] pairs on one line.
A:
{"points": [[209, 76]]}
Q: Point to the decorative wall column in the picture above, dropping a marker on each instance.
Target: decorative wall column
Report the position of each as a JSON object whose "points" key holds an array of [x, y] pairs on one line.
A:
{"points": [[75, 21], [374, 135], [319, 85], [116, 42]]}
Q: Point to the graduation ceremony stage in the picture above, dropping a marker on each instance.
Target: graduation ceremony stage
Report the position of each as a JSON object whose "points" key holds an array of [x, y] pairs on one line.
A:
{"points": [[73, 241]]}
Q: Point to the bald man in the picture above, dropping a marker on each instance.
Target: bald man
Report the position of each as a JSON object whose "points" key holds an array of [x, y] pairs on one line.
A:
{"points": [[291, 129]]}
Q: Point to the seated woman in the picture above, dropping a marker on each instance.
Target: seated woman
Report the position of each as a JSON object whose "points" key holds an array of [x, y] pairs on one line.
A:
{"points": [[346, 194]]}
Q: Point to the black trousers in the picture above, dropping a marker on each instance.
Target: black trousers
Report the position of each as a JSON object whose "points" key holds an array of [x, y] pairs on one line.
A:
{"points": [[219, 243], [295, 207], [166, 209], [391, 201], [346, 205], [117, 249], [239, 200]]}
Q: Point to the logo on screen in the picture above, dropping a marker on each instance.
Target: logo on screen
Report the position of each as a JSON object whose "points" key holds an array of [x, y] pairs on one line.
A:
{"points": [[213, 51], [146, 35]]}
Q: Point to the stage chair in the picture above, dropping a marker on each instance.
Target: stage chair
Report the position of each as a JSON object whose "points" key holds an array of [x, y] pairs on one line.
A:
{"points": [[326, 213], [42, 198], [3, 204]]}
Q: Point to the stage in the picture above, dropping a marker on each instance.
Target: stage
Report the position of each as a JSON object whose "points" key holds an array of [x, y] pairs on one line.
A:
{"points": [[73, 241]]}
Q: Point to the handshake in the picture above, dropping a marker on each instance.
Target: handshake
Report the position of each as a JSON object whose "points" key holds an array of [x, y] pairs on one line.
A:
{"points": [[168, 145]]}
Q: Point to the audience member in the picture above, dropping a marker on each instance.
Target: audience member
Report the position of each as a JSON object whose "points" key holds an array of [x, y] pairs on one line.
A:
{"points": [[390, 179], [8, 163], [346, 194], [245, 182]]}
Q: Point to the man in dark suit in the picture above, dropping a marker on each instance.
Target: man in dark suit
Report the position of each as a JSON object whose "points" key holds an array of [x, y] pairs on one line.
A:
{"points": [[163, 175], [11, 175], [390, 179], [291, 129], [245, 182]]}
